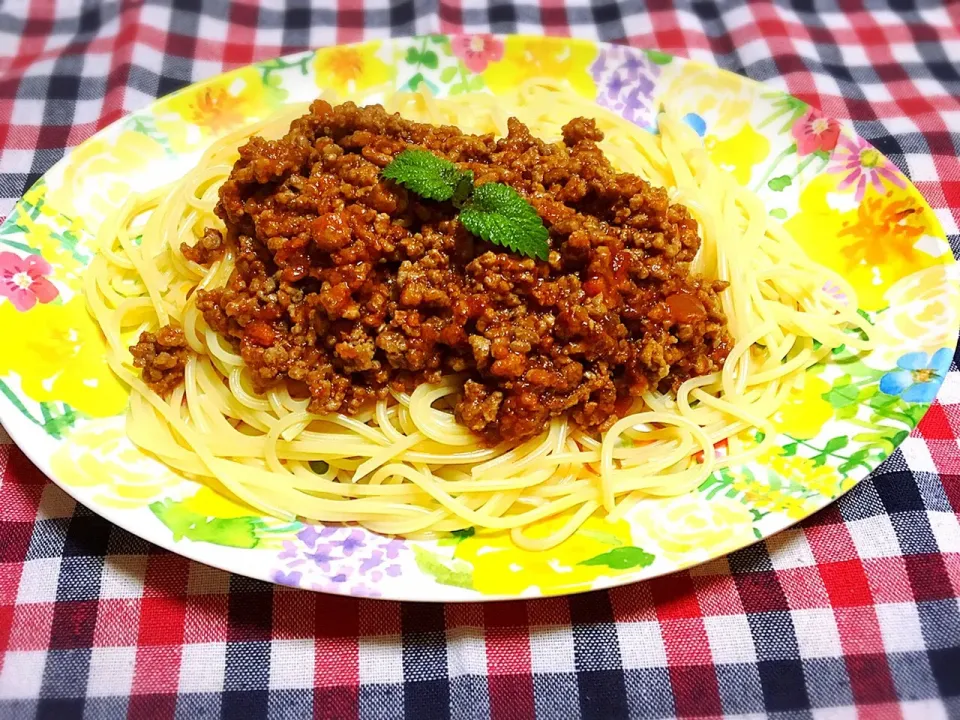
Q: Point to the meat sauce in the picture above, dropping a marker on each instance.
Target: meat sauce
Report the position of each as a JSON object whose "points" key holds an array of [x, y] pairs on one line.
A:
{"points": [[346, 285]]}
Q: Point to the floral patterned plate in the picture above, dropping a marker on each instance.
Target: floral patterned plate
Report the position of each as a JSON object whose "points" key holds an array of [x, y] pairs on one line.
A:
{"points": [[847, 204]]}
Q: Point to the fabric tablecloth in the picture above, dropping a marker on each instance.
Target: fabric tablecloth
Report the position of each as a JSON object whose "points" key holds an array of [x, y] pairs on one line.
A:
{"points": [[854, 613]]}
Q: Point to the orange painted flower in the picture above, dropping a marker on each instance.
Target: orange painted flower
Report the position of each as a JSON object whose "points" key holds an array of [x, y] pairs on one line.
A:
{"points": [[219, 105], [353, 68], [216, 109], [899, 222]]}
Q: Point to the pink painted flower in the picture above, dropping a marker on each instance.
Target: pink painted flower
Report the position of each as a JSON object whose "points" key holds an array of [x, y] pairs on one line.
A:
{"points": [[861, 163], [477, 51], [22, 280], [813, 133]]}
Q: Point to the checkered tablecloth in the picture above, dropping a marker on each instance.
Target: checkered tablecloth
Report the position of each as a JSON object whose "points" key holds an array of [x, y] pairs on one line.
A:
{"points": [[852, 614]]}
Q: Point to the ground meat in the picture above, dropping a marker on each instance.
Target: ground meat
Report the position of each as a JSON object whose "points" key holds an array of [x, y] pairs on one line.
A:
{"points": [[208, 248], [161, 357], [346, 285]]}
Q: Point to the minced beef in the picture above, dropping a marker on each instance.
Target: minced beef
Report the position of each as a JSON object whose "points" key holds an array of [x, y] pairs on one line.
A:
{"points": [[347, 285], [161, 356]]}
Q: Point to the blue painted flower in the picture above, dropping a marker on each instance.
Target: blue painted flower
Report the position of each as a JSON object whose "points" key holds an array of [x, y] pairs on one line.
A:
{"points": [[918, 377], [696, 122]]}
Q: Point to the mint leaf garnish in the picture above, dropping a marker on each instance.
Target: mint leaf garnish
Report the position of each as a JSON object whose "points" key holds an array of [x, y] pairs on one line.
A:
{"points": [[463, 189], [494, 211], [499, 215], [426, 174]]}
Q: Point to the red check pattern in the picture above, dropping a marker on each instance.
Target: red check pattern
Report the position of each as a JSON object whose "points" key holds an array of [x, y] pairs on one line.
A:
{"points": [[854, 613]]}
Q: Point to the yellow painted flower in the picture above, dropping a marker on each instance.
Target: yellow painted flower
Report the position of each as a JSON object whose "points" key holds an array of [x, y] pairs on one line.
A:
{"points": [[923, 314], [823, 479], [691, 523], [221, 104], [805, 411], [97, 177], [65, 361], [208, 503], [500, 567], [872, 245], [99, 456], [739, 153], [349, 69], [721, 98], [526, 58]]}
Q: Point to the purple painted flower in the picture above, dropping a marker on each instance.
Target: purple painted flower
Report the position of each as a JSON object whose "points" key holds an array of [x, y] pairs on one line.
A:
{"points": [[341, 559], [861, 164], [351, 543], [626, 79], [287, 578]]}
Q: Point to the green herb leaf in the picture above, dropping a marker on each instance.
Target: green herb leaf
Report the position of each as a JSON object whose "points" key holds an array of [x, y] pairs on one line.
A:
{"points": [[427, 175], [622, 558], [463, 189], [499, 215]]}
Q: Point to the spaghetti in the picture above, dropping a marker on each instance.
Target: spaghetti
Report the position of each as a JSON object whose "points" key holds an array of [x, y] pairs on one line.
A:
{"points": [[405, 465]]}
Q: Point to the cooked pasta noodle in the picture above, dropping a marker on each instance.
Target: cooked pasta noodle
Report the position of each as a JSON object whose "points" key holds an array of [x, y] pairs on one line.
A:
{"points": [[406, 466]]}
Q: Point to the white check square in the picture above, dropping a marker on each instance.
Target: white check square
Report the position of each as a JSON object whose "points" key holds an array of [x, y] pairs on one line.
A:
{"points": [[552, 649], [381, 659], [817, 634], [730, 639], [641, 645], [202, 666], [111, 671]]}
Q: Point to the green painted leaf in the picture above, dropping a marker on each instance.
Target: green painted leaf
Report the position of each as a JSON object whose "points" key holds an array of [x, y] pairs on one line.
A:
{"points": [[789, 449], [622, 558], [900, 437], [457, 536], [822, 154], [183, 523], [413, 56], [779, 213], [779, 183], [842, 396], [429, 59], [448, 74], [659, 58], [846, 413], [836, 443], [882, 401], [416, 81], [437, 39], [446, 571], [476, 83]]}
